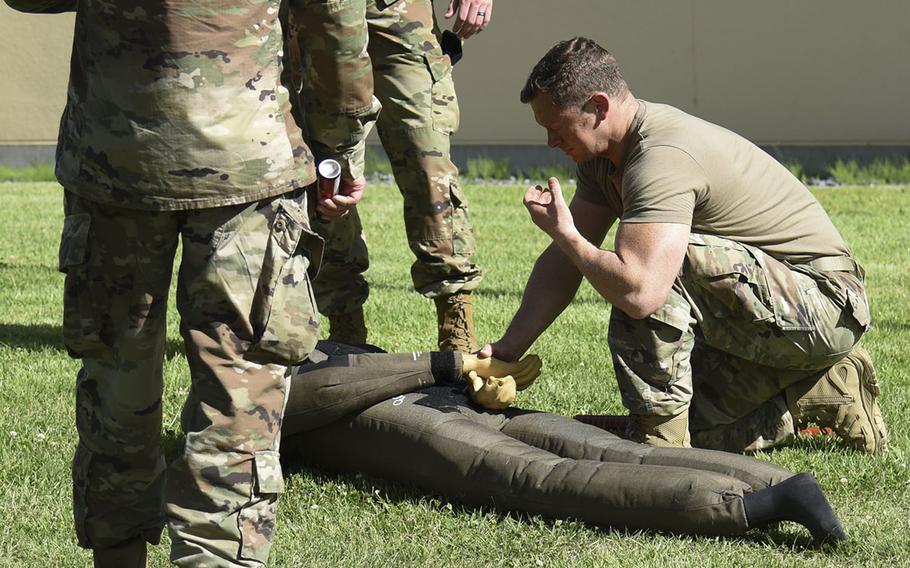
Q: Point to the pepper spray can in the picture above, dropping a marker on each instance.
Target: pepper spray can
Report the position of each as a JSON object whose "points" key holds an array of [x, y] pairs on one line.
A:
{"points": [[329, 172]]}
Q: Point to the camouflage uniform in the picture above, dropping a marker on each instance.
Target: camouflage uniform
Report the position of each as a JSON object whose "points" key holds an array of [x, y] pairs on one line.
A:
{"points": [[737, 328], [413, 80], [177, 128]]}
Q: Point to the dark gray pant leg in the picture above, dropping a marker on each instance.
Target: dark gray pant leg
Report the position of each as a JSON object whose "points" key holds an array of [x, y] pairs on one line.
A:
{"points": [[572, 439], [434, 439]]}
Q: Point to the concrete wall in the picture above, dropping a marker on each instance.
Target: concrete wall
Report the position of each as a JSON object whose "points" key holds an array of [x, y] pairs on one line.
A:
{"points": [[781, 72], [34, 67], [778, 71]]}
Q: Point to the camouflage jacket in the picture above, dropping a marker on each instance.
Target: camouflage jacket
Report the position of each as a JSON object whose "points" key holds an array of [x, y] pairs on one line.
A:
{"points": [[178, 104]]}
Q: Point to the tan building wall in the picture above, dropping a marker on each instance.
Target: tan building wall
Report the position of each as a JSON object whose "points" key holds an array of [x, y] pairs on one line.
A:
{"points": [[820, 72], [34, 66]]}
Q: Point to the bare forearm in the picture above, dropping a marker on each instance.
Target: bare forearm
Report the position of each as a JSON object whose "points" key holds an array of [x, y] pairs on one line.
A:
{"points": [[550, 288], [605, 270]]}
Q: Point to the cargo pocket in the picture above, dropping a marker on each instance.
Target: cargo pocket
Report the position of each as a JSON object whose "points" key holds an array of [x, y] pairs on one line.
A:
{"points": [[676, 315], [81, 467], [786, 294], [651, 357], [443, 102], [734, 285], [80, 324], [283, 311], [314, 246], [256, 522], [73, 241], [851, 295], [859, 305], [463, 242], [671, 352]]}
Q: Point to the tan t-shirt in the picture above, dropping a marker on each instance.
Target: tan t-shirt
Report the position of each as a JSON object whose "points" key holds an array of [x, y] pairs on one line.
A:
{"points": [[681, 169]]}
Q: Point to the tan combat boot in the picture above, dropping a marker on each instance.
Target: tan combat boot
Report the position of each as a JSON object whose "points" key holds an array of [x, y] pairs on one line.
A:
{"points": [[662, 431], [844, 400], [455, 317], [131, 554], [349, 327]]}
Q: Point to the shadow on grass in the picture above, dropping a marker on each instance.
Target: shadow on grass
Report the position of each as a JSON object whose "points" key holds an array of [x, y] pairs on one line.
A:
{"points": [[35, 337], [31, 337], [172, 443], [397, 493]]}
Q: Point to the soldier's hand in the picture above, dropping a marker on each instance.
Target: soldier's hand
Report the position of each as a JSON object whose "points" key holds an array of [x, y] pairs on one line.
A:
{"points": [[472, 16], [498, 350], [523, 372], [349, 194], [548, 209], [493, 393]]}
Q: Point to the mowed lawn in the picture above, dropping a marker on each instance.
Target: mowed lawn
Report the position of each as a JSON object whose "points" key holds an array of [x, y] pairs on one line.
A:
{"points": [[329, 520]]}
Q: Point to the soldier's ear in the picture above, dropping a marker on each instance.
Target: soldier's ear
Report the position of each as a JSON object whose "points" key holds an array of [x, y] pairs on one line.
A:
{"points": [[599, 104]]}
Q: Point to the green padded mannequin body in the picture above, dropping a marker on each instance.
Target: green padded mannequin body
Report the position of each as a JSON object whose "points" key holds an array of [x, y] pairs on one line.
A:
{"points": [[520, 460]]}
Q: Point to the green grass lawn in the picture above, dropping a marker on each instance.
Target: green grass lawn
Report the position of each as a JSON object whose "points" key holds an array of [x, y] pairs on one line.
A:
{"points": [[328, 520]]}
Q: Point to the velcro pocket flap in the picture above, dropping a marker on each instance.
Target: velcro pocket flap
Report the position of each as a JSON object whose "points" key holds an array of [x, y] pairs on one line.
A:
{"points": [[315, 249], [268, 472], [73, 240], [678, 317], [439, 64], [785, 293]]}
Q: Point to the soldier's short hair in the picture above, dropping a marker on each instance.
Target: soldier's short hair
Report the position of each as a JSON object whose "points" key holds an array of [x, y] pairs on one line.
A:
{"points": [[572, 71]]}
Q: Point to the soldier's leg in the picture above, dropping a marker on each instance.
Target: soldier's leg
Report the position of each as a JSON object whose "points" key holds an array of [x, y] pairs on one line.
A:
{"points": [[246, 313], [652, 361], [754, 307], [436, 440], [726, 416], [738, 405], [845, 399], [340, 287], [766, 325], [413, 80], [771, 327], [118, 268]]}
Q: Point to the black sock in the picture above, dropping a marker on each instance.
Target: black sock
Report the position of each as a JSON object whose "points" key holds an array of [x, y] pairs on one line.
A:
{"points": [[444, 368], [798, 499]]}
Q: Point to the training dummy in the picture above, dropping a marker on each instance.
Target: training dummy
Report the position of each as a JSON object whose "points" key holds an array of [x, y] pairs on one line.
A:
{"points": [[415, 424]]}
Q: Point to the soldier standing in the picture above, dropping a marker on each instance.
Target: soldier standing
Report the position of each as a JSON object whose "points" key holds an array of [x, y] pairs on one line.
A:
{"points": [[737, 305], [177, 128], [413, 81]]}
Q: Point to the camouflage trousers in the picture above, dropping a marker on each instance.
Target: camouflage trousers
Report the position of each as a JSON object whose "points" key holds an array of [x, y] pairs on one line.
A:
{"points": [[413, 81], [247, 312], [737, 328]]}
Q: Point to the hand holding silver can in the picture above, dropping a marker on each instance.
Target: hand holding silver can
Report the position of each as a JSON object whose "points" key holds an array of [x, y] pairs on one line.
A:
{"points": [[329, 176]]}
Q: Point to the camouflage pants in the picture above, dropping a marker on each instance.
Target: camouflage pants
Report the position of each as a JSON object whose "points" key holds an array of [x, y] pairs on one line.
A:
{"points": [[246, 310], [737, 328], [413, 81]]}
